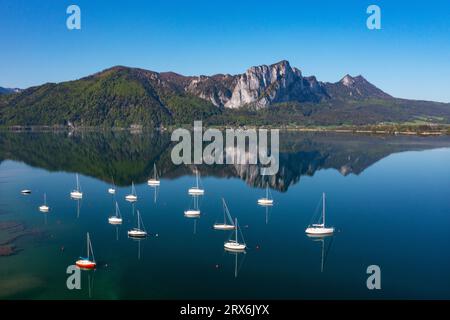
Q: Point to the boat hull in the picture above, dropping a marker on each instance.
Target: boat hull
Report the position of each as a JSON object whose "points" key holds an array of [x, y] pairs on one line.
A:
{"points": [[131, 198], [265, 202], [234, 246], [222, 226], [137, 234], [192, 213], [44, 209], [114, 220], [153, 182], [85, 264], [25, 192], [319, 231], [196, 192], [111, 191], [76, 195]]}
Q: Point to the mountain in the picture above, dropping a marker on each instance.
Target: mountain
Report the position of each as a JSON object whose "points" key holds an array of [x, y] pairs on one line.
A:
{"points": [[8, 90], [354, 88], [268, 94]]}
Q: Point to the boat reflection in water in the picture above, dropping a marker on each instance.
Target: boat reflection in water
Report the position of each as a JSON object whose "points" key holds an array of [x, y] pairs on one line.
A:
{"points": [[237, 265], [324, 254]]}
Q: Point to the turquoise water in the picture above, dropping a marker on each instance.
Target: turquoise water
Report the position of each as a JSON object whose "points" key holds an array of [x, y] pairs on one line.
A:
{"points": [[387, 197]]}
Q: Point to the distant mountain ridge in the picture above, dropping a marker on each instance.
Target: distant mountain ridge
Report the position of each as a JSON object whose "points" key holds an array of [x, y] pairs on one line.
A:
{"points": [[8, 90], [122, 96]]}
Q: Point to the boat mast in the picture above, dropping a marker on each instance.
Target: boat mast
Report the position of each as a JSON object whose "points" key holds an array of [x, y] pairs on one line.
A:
{"points": [[267, 191], [236, 226], [78, 184], [224, 213], [139, 218], [117, 210], [87, 245], [45, 199], [323, 209], [196, 174], [154, 171]]}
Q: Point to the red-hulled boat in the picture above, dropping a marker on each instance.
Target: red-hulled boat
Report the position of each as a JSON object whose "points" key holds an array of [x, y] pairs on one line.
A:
{"points": [[87, 263]]}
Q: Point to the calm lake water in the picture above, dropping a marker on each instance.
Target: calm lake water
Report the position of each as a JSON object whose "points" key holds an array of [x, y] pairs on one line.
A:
{"points": [[387, 197]]}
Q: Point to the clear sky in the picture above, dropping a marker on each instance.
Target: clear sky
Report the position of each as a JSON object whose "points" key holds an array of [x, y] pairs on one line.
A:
{"points": [[409, 57]]}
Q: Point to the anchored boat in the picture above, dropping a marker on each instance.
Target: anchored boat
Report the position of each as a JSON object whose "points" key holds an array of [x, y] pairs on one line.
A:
{"points": [[266, 201], [196, 190], [227, 223], [77, 194], [319, 229], [233, 244], [154, 182], [87, 263], [132, 197], [44, 207], [117, 218], [112, 189], [195, 212], [138, 232]]}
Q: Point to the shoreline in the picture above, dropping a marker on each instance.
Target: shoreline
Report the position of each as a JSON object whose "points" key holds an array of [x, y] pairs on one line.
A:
{"points": [[412, 130]]}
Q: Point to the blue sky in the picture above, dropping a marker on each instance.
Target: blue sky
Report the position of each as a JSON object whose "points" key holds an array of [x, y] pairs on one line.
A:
{"points": [[409, 57]]}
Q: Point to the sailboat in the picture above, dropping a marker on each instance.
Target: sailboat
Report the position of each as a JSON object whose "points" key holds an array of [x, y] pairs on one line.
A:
{"points": [[319, 229], [87, 263], [44, 207], [117, 218], [77, 194], [196, 191], [25, 192], [226, 215], [234, 244], [112, 189], [138, 232], [154, 181], [195, 212], [266, 201], [132, 197]]}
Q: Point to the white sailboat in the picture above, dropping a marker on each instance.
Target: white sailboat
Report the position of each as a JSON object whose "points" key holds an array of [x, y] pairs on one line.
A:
{"points": [[44, 207], [117, 218], [138, 232], [266, 201], [153, 182], [87, 263], [196, 190], [132, 197], [25, 192], [195, 212], [319, 229], [112, 189], [233, 244], [77, 194], [226, 218]]}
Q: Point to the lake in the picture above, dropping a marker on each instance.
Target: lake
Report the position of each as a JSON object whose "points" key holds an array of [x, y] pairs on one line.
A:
{"points": [[388, 198]]}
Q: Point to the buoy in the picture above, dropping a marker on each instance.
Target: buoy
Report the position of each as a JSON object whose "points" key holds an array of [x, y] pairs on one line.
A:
{"points": [[217, 266]]}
